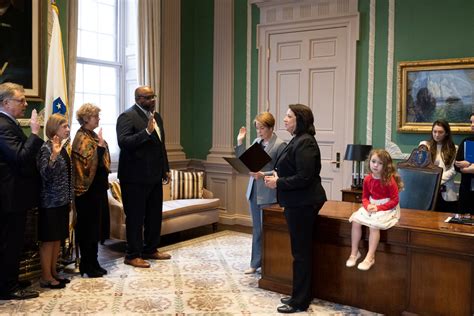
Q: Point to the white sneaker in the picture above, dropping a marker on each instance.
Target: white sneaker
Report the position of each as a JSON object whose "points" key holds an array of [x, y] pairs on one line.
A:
{"points": [[353, 260], [250, 271], [366, 264]]}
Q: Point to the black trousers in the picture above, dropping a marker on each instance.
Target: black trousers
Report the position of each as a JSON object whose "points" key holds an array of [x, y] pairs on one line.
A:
{"points": [[143, 207], [93, 219], [446, 206], [466, 201], [300, 222], [12, 230]]}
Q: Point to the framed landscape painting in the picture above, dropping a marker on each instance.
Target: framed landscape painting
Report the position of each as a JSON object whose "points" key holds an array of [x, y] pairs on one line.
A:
{"points": [[435, 89]]}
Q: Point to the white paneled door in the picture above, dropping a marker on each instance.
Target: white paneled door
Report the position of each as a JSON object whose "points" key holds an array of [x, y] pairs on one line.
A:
{"points": [[309, 67]]}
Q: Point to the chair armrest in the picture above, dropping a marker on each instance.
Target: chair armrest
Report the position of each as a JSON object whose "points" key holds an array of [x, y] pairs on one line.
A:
{"points": [[117, 217], [206, 194], [117, 214]]}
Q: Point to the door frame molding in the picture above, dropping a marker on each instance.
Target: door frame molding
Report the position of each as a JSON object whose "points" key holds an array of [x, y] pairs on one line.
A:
{"points": [[351, 24]]}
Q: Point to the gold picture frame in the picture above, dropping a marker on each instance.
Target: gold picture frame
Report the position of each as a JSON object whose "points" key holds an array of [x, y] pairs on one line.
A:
{"points": [[429, 90], [35, 92]]}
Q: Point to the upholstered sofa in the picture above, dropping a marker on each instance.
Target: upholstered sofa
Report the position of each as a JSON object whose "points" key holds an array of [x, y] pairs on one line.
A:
{"points": [[178, 214]]}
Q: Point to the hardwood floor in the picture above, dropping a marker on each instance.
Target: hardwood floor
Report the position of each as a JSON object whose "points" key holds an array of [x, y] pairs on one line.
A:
{"points": [[113, 248]]}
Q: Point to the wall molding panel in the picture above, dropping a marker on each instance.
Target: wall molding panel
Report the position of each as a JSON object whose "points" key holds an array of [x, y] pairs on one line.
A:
{"points": [[170, 82]]}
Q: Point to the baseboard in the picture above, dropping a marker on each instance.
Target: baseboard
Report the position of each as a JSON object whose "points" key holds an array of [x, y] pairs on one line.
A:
{"points": [[235, 220]]}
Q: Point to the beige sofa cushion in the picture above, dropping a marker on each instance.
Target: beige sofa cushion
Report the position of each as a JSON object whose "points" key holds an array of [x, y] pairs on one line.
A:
{"points": [[176, 208]]}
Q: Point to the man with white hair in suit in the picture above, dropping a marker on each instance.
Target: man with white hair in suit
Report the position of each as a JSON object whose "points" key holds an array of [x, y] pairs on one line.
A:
{"points": [[19, 186]]}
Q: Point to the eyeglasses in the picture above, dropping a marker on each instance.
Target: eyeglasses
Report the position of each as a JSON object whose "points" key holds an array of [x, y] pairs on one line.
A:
{"points": [[21, 101], [148, 97]]}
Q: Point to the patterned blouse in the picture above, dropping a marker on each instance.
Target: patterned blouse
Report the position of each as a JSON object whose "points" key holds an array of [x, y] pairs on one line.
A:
{"points": [[56, 177]]}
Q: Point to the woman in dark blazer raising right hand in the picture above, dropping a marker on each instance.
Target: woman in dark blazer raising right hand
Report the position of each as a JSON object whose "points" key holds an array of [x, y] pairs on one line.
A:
{"points": [[300, 192]]}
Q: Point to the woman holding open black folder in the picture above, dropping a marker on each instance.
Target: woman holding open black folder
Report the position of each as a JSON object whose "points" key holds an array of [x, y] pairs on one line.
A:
{"points": [[300, 192], [466, 188], [257, 193]]}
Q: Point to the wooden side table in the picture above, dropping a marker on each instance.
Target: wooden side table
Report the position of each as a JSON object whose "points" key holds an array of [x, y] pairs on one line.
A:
{"points": [[352, 195]]}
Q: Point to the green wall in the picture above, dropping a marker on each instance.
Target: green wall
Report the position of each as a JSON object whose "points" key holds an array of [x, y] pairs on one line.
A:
{"points": [[197, 25], [254, 75], [431, 29], [424, 29], [240, 64]]}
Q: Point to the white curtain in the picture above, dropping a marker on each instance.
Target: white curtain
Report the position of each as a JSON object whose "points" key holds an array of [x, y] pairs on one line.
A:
{"points": [[149, 43]]}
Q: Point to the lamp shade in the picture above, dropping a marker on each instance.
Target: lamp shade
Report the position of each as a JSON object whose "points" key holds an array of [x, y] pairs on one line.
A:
{"points": [[357, 152]]}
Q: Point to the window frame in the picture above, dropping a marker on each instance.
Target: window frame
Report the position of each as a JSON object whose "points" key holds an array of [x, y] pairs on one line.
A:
{"points": [[119, 65]]}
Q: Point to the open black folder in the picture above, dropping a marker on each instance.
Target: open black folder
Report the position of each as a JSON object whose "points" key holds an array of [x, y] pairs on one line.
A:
{"points": [[253, 159]]}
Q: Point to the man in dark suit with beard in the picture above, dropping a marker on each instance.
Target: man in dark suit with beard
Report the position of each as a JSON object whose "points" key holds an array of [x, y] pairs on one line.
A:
{"points": [[143, 168], [19, 186]]}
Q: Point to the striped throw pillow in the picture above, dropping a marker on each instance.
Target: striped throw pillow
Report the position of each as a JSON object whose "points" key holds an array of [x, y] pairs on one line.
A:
{"points": [[186, 184], [115, 190]]}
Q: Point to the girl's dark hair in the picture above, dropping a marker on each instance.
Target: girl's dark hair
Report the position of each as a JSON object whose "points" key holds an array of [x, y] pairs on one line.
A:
{"points": [[304, 119], [448, 149]]}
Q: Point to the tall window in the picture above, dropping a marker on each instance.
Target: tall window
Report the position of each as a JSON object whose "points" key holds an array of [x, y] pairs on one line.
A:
{"points": [[106, 61]]}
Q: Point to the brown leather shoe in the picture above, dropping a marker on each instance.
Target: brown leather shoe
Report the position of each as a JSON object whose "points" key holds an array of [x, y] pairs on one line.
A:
{"points": [[157, 256], [137, 262]]}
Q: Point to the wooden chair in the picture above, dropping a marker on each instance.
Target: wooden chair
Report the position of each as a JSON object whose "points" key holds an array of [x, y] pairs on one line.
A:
{"points": [[421, 179]]}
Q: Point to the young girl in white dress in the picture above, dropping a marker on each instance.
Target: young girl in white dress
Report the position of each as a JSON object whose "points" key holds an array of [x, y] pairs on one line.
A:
{"points": [[380, 209]]}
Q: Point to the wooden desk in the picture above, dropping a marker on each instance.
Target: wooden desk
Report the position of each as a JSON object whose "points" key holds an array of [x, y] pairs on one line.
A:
{"points": [[423, 265], [352, 195]]}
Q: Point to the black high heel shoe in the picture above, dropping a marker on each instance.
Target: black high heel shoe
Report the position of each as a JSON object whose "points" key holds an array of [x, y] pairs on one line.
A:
{"points": [[90, 271], [100, 269], [62, 280], [49, 285]]}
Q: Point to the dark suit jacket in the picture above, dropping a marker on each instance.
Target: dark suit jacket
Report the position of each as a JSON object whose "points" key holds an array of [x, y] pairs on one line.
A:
{"points": [[465, 204], [298, 168], [19, 178], [143, 157]]}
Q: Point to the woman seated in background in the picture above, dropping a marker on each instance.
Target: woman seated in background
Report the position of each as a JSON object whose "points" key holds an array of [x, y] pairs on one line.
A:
{"points": [[54, 166], [91, 163], [466, 188], [443, 153], [257, 193]]}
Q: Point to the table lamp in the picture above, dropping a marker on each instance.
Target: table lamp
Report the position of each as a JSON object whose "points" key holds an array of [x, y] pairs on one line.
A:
{"points": [[357, 153]]}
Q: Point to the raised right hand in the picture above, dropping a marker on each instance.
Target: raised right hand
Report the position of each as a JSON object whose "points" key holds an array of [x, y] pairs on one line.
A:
{"points": [[151, 124], [56, 148], [34, 123], [101, 138], [241, 136]]}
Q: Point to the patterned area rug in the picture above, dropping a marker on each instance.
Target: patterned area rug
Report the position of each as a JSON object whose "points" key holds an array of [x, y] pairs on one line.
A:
{"points": [[204, 277]]}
